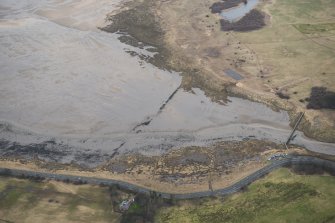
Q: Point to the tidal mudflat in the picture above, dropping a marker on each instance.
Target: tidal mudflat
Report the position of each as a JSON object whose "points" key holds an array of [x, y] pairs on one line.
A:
{"points": [[71, 92]]}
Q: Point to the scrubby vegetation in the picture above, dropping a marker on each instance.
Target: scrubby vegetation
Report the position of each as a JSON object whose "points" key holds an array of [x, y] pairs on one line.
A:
{"points": [[321, 98], [251, 21]]}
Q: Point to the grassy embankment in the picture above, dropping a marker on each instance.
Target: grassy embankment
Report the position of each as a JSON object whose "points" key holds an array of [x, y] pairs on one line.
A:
{"points": [[280, 197]]}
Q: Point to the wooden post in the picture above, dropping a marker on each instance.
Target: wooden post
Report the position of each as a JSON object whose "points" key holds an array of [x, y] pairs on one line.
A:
{"points": [[210, 186], [295, 127]]}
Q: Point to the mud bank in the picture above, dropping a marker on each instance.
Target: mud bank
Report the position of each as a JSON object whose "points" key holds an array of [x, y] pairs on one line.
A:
{"points": [[170, 129], [194, 165], [189, 168]]}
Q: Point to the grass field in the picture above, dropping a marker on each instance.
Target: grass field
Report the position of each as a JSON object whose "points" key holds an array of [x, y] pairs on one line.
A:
{"points": [[29, 201], [296, 52], [280, 197]]}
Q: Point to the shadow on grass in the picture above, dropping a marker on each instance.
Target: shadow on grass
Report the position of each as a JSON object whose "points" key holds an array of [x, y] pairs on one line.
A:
{"points": [[320, 98]]}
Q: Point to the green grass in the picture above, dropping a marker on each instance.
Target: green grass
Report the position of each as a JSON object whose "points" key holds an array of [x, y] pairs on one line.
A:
{"points": [[20, 199], [10, 199], [280, 197], [135, 208], [97, 199], [289, 11], [315, 28], [12, 191]]}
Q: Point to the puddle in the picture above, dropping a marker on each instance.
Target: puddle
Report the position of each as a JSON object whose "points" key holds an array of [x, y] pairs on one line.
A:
{"points": [[235, 13], [233, 74]]}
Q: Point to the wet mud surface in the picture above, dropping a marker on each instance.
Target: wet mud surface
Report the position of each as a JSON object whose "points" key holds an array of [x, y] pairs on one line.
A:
{"points": [[233, 74], [52, 152], [121, 113]]}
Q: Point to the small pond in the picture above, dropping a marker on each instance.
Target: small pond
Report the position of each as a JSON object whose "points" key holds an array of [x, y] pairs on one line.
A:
{"points": [[235, 13]]}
